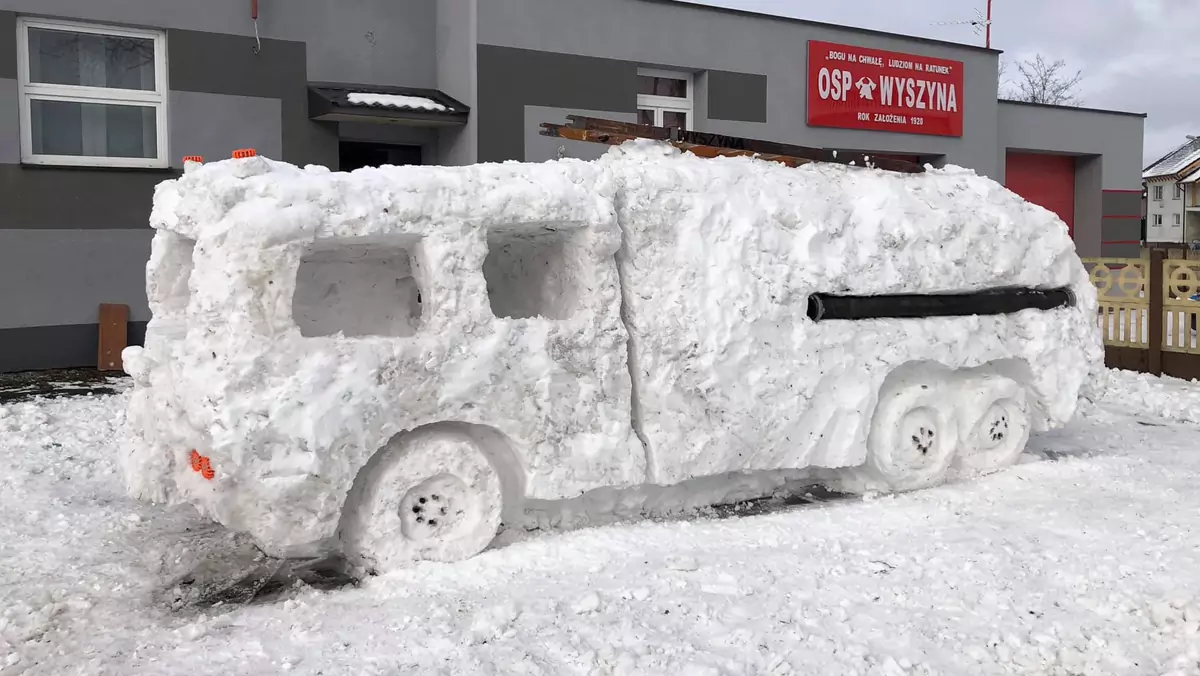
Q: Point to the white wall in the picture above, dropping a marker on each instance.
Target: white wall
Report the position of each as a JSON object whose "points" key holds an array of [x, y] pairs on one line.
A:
{"points": [[1170, 207]]}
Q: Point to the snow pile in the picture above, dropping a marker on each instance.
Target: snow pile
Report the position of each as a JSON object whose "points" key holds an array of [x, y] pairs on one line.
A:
{"points": [[720, 256], [1144, 394], [395, 101], [288, 408], [636, 320], [1081, 566]]}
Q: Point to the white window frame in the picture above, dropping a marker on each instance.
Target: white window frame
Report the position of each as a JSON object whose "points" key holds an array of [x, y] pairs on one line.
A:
{"points": [[83, 94], [1177, 219], [1178, 192], [1158, 193], [661, 104], [1158, 220]]}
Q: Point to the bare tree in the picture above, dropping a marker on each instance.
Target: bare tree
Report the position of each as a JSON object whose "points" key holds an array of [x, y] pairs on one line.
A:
{"points": [[1042, 81]]}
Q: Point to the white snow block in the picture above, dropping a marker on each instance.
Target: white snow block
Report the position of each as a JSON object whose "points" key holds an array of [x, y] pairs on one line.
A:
{"points": [[720, 256], [391, 362], [302, 318]]}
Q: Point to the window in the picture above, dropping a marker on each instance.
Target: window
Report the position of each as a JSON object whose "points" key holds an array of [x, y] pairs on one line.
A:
{"points": [[1158, 193], [91, 95], [358, 288], [1176, 219], [1178, 192], [664, 98], [1158, 219], [536, 273]]}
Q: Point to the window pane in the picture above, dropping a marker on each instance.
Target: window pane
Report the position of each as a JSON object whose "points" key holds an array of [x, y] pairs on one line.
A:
{"points": [[662, 86], [86, 59], [646, 117], [676, 119], [93, 129]]}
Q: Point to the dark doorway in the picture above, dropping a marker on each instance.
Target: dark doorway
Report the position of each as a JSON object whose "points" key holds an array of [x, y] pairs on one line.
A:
{"points": [[358, 154]]}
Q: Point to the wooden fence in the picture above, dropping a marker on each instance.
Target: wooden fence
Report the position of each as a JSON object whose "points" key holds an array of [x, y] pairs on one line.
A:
{"points": [[1147, 315]]}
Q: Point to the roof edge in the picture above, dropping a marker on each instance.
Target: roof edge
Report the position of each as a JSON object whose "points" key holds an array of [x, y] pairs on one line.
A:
{"points": [[825, 24], [1105, 111], [1176, 177], [1150, 167]]}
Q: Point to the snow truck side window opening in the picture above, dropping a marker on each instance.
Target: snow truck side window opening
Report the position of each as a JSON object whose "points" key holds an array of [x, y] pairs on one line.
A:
{"points": [[172, 275], [358, 289], [534, 272]]}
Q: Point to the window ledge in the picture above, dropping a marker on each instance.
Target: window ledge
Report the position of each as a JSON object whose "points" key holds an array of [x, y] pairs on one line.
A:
{"points": [[100, 167]]}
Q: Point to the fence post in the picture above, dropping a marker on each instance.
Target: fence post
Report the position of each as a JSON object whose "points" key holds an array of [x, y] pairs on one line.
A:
{"points": [[1155, 290]]}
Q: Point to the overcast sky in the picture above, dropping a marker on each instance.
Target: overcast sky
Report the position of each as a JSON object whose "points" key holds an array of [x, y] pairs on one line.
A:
{"points": [[1136, 55]]}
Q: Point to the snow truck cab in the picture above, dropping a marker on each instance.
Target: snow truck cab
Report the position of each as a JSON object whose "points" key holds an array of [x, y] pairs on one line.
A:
{"points": [[392, 362]]}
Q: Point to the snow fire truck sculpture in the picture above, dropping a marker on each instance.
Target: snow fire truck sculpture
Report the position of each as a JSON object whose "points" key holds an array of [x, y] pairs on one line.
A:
{"points": [[392, 362]]}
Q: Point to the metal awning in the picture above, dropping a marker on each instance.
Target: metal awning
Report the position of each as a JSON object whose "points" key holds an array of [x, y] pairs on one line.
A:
{"points": [[334, 102]]}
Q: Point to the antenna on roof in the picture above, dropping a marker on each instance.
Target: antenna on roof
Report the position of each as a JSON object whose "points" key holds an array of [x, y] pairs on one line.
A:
{"points": [[981, 24]]}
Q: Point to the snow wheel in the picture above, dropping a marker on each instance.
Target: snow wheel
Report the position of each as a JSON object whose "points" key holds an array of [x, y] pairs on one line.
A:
{"points": [[995, 425], [427, 496], [913, 433]]}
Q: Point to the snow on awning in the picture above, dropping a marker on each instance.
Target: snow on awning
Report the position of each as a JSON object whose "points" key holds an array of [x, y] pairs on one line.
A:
{"points": [[331, 102], [395, 101]]}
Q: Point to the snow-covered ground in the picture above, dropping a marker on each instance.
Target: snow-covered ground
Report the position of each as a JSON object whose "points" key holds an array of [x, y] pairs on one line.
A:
{"points": [[1083, 560]]}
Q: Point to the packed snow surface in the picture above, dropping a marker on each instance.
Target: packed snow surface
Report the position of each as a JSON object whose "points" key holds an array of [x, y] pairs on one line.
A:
{"points": [[395, 101], [1083, 565], [636, 320]]}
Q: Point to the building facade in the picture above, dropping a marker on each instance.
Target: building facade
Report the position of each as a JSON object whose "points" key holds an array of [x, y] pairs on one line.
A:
{"points": [[1173, 197], [99, 102]]}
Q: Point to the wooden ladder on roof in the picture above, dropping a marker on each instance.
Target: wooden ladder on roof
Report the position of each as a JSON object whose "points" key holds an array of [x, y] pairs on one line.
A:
{"points": [[704, 144]]}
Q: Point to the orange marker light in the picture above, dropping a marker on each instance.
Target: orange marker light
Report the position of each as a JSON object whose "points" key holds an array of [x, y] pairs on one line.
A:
{"points": [[192, 158], [243, 153], [206, 469], [201, 464]]}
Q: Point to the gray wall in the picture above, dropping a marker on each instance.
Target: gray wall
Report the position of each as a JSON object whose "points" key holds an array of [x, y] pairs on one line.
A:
{"points": [[10, 141], [73, 238], [214, 125], [633, 32], [1108, 150], [1089, 203], [59, 276], [366, 41], [540, 148], [457, 33], [1115, 136], [512, 79]]}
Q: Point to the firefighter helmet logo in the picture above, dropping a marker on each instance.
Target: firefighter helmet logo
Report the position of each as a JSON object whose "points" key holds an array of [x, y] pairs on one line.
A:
{"points": [[866, 88]]}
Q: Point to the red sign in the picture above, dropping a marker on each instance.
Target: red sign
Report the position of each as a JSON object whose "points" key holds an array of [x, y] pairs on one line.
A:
{"points": [[859, 88]]}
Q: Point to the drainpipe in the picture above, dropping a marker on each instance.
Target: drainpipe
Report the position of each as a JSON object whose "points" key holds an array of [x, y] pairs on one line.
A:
{"points": [[254, 18]]}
